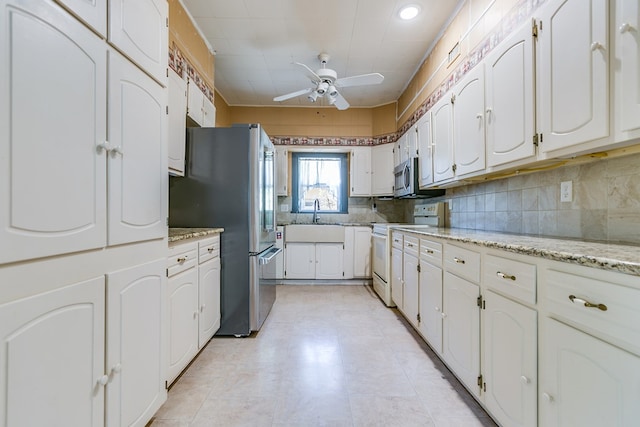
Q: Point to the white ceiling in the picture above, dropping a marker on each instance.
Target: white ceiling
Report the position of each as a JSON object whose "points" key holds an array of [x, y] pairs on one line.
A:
{"points": [[256, 42]]}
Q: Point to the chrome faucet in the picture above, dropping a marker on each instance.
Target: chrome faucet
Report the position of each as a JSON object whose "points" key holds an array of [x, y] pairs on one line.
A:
{"points": [[316, 208]]}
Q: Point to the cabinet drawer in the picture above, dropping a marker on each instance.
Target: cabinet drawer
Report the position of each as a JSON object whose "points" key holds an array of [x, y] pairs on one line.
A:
{"points": [[411, 245], [208, 249], [616, 315], [397, 239], [462, 262], [513, 278], [431, 251], [181, 258]]}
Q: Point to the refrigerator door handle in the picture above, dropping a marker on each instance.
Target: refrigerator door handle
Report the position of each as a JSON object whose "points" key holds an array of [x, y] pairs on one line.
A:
{"points": [[271, 254]]}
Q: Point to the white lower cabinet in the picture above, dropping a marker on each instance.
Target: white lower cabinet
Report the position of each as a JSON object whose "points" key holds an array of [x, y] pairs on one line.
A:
{"points": [[430, 294], [509, 360], [314, 261], [396, 277], [209, 300], [357, 252], [410, 271]]}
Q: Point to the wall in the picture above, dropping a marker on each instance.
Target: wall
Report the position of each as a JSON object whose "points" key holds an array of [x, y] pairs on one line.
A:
{"points": [[223, 111], [605, 206]]}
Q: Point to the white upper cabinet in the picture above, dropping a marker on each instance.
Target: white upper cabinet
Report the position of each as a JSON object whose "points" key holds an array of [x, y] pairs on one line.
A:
{"points": [[137, 155], [360, 171], [282, 171], [468, 122], [442, 132], [627, 69], [425, 150], [52, 123], [573, 57], [510, 99], [410, 149], [91, 12], [382, 178], [177, 92], [399, 153], [139, 29], [199, 108]]}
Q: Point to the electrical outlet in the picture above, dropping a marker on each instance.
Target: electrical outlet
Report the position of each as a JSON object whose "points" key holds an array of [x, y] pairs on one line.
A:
{"points": [[566, 191]]}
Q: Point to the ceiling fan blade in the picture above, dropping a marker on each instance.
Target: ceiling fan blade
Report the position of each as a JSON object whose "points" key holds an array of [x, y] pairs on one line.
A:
{"points": [[340, 102], [361, 80], [310, 73], [293, 94]]}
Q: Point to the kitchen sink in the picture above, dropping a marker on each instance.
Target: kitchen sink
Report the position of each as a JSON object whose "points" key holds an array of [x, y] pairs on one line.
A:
{"points": [[317, 233]]}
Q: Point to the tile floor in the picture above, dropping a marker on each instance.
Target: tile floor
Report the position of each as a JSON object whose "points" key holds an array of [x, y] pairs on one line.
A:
{"points": [[326, 356]]}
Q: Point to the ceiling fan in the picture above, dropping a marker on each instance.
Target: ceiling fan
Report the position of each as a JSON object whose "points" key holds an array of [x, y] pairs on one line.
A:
{"points": [[326, 83]]}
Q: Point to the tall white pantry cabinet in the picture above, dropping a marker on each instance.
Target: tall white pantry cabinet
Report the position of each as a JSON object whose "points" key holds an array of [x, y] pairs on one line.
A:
{"points": [[83, 211]]}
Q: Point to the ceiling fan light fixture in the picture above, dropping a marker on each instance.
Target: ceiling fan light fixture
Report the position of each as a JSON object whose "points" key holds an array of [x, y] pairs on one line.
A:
{"points": [[312, 96], [332, 99], [409, 11], [322, 88], [332, 91]]}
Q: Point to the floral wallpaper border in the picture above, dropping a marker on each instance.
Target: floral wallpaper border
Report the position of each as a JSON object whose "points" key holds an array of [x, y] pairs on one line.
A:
{"points": [[518, 14], [182, 66]]}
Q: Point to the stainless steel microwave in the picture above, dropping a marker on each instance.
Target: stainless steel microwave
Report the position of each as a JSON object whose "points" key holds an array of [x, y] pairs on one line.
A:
{"points": [[406, 182]]}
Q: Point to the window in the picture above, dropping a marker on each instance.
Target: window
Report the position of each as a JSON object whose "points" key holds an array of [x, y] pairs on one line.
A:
{"points": [[321, 176]]}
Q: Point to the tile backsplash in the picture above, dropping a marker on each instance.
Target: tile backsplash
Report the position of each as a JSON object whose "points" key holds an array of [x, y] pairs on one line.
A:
{"points": [[605, 205], [361, 211]]}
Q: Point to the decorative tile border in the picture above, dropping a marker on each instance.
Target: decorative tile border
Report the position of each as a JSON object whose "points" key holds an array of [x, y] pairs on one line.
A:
{"points": [[183, 67], [332, 141]]}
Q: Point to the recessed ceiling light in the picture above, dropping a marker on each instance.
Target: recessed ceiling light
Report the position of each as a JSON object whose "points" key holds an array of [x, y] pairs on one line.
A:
{"points": [[409, 12]]}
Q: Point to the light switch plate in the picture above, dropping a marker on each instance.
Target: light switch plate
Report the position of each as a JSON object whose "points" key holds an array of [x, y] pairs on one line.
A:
{"points": [[566, 191]]}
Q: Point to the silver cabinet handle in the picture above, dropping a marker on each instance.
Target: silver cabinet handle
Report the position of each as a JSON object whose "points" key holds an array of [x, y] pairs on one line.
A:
{"points": [[181, 259], [209, 250], [458, 260], [429, 251], [505, 276], [574, 299], [409, 245]]}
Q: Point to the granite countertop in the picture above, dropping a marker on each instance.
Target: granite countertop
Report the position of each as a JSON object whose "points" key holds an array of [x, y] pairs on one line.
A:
{"points": [[605, 256], [178, 234]]}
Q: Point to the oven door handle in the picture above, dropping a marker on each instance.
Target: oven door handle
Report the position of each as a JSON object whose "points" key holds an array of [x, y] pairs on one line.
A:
{"points": [[270, 255]]}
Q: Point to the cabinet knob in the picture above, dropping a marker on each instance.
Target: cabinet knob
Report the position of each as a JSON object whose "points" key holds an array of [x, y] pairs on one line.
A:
{"points": [[596, 45], [624, 27], [436, 308], [115, 151], [209, 250], [195, 314], [103, 380], [443, 315], [429, 251], [181, 259], [548, 397], [524, 380], [116, 369], [202, 307], [102, 147]]}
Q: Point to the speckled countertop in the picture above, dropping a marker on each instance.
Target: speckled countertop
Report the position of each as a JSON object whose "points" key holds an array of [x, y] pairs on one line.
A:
{"points": [[605, 256], [178, 234]]}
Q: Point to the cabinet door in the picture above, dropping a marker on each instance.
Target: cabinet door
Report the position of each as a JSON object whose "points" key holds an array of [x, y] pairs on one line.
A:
{"points": [[329, 260], [91, 12], [183, 321], [468, 122], [209, 300], [300, 261], [177, 122], [461, 329], [208, 113], [360, 171], [510, 101], [431, 305], [137, 166], [627, 73], [362, 252], [442, 128], [425, 151], [510, 361], [382, 178], [396, 277], [63, 388], [400, 150], [585, 381], [139, 29], [195, 102], [411, 147], [52, 171], [135, 345], [410, 297], [282, 171], [574, 80]]}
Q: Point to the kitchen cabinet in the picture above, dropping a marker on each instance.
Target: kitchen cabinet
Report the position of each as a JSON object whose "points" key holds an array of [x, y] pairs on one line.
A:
{"points": [[430, 293], [406, 146], [282, 171], [360, 171], [98, 198], [396, 269], [139, 29], [410, 271], [382, 178], [398, 150], [208, 289], [314, 261], [626, 69], [425, 150], [510, 99], [442, 133], [182, 307], [135, 359], [199, 108], [468, 123], [92, 13], [357, 252], [67, 387], [177, 122], [573, 78]]}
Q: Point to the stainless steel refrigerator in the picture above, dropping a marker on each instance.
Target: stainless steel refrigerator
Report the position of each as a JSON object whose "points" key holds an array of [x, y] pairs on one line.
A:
{"points": [[230, 182]]}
